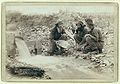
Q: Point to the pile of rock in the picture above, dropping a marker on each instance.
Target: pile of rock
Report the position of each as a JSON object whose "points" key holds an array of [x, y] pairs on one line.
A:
{"points": [[101, 62]]}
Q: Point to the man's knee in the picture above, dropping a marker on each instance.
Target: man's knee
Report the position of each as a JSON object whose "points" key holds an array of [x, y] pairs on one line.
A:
{"points": [[86, 49], [88, 38]]}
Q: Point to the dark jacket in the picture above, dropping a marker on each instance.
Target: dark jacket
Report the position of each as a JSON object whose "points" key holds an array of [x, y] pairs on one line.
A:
{"points": [[81, 32], [55, 35]]}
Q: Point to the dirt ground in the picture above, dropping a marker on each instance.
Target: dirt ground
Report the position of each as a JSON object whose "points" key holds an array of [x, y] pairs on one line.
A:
{"points": [[65, 68]]}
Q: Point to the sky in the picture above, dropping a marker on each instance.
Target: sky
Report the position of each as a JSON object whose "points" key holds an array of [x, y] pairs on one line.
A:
{"points": [[48, 9]]}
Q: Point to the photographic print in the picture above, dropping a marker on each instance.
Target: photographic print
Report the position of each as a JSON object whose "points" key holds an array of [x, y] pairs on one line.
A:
{"points": [[59, 41]]}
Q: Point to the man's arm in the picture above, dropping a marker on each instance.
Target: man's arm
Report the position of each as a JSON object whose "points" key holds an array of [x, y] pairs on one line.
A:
{"points": [[52, 34], [95, 35], [83, 40]]}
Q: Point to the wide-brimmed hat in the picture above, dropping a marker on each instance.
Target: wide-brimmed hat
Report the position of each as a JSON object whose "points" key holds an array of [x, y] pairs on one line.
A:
{"points": [[59, 23], [80, 23], [89, 21]]}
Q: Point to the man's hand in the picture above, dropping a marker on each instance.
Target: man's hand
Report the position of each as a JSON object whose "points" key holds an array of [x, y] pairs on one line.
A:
{"points": [[63, 37], [63, 34], [82, 48], [87, 35]]}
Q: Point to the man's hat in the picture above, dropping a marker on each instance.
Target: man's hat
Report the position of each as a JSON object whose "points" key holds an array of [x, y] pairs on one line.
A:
{"points": [[89, 21], [59, 23], [80, 23]]}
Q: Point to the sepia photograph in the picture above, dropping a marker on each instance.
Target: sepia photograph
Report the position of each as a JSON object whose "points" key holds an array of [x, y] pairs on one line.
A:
{"points": [[60, 41]]}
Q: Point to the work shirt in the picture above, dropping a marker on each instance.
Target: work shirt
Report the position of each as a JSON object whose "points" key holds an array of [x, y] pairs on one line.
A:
{"points": [[97, 36]]}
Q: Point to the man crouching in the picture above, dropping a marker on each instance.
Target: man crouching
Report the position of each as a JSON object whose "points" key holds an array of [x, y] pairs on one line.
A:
{"points": [[57, 33], [93, 40], [79, 34]]}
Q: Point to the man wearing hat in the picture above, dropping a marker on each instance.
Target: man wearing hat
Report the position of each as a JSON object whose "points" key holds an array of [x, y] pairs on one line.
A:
{"points": [[79, 33], [57, 33], [93, 40]]}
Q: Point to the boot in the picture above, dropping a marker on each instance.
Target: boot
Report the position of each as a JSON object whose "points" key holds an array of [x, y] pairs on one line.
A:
{"points": [[96, 51], [100, 51]]}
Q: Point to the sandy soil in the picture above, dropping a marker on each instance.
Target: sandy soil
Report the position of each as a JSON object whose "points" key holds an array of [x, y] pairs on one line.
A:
{"points": [[64, 67]]}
